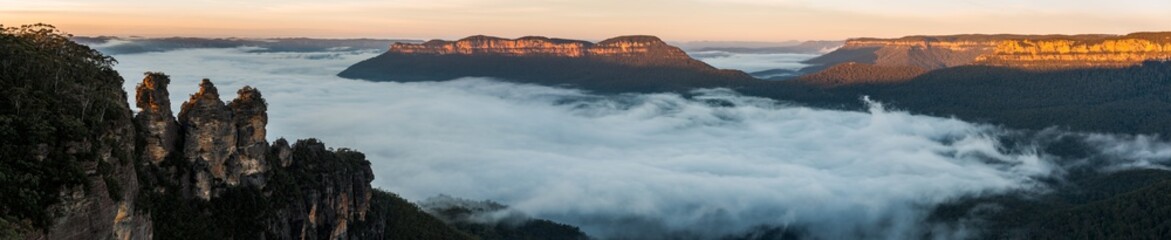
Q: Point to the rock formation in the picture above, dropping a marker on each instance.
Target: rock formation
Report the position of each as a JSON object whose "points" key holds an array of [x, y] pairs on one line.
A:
{"points": [[249, 113], [209, 141], [160, 130], [225, 147], [620, 64], [77, 164], [1065, 53], [1030, 52], [542, 46], [626, 50]]}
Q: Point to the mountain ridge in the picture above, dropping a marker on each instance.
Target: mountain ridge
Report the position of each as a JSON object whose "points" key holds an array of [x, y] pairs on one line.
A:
{"points": [[1032, 52], [629, 63]]}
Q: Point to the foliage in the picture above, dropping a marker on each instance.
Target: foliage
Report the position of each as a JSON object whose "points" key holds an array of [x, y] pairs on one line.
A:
{"points": [[58, 104], [594, 74], [855, 73], [492, 220], [1132, 204], [1119, 100], [404, 220]]}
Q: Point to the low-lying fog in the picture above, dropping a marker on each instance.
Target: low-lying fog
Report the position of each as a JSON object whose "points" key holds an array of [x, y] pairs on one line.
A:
{"points": [[631, 165]]}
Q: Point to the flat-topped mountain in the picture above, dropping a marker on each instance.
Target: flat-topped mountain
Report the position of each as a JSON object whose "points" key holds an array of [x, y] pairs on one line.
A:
{"points": [[1102, 83], [620, 64], [1032, 52], [614, 48]]}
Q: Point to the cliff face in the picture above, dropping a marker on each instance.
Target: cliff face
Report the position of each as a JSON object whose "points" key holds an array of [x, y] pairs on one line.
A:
{"points": [[67, 142], [1035, 52], [620, 64], [1112, 52], [625, 46]]}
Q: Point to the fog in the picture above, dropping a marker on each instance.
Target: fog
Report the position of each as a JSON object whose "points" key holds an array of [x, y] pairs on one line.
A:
{"points": [[752, 62], [637, 165]]}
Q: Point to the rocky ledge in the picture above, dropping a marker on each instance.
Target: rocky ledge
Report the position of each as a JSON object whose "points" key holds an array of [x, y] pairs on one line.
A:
{"points": [[1031, 52], [215, 149]]}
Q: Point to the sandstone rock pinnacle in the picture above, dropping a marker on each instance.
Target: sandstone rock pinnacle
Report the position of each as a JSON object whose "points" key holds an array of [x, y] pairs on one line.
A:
{"points": [[249, 114], [210, 141], [160, 130]]}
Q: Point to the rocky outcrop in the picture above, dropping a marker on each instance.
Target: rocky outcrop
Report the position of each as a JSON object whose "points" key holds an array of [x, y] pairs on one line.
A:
{"points": [[339, 197], [223, 148], [209, 141], [249, 114], [158, 124], [1030, 52], [620, 64]]}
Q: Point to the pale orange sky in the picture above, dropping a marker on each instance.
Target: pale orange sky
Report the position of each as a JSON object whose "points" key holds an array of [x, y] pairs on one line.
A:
{"points": [[675, 20]]}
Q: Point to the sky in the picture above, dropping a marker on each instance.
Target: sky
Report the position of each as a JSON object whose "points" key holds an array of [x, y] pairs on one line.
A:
{"points": [[673, 20]]}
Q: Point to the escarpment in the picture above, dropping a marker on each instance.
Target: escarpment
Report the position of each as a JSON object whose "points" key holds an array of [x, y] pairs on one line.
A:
{"points": [[1035, 53], [1064, 53], [621, 64], [615, 48], [1027, 52]]}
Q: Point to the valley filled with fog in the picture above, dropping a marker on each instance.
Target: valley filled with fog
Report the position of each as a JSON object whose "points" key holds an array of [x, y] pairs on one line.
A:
{"points": [[709, 164], [754, 63]]}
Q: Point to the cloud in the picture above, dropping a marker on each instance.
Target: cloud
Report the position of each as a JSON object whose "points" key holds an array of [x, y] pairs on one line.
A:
{"points": [[753, 62], [636, 165]]}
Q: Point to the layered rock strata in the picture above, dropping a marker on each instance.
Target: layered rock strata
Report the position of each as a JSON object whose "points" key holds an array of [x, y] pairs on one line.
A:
{"points": [[1034, 52]]}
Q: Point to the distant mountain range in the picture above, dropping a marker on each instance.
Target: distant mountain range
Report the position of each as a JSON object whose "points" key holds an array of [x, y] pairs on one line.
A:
{"points": [[1085, 83], [1100, 83], [807, 47], [1034, 52], [130, 45]]}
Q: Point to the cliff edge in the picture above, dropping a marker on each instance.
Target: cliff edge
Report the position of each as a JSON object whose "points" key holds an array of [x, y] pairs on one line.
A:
{"points": [[1033, 53], [1028, 52], [620, 64]]}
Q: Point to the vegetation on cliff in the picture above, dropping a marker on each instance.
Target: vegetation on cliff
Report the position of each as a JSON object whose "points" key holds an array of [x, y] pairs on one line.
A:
{"points": [[1133, 204], [62, 117], [1118, 100]]}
